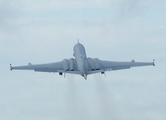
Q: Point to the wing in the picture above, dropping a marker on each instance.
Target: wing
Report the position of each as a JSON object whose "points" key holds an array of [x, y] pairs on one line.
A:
{"points": [[111, 65], [65, 66], [102, 66], [49, 67]]}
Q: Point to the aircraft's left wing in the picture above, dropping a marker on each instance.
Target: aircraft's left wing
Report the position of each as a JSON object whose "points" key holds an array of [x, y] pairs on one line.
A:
{"points": [[50, 67]]}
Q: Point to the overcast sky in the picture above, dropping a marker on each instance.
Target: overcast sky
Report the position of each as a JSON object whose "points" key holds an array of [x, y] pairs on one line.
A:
{"points": [[44, 31]]}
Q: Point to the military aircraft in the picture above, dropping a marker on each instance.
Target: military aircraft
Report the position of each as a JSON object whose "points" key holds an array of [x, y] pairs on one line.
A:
{"points": [[81, 65]]}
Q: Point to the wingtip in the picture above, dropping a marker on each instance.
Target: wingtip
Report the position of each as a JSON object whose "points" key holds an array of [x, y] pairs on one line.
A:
{"points": [[11, 67], [153, 62]]}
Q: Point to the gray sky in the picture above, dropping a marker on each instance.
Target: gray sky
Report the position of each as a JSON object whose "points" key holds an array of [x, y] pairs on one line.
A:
{"points": [[45, 31]]}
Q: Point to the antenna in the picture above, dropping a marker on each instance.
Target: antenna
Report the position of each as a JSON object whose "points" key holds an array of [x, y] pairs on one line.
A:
{"points": [[77, 40]]}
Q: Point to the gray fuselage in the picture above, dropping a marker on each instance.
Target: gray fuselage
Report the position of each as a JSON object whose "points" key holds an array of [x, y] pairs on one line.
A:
{"points": [[81, 59]]}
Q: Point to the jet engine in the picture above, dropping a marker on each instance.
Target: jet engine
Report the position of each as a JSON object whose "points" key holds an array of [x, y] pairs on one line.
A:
{"points": [[98, 64], [65, 65], [91, 64], [71, 64]]}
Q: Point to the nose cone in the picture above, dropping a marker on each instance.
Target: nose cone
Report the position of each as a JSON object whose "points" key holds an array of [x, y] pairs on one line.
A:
{"points": [[78, 45]]}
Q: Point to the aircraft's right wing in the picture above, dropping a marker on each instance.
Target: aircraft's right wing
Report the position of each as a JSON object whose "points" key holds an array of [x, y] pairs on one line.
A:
{"points": [[97, 66], [112, 65]]}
